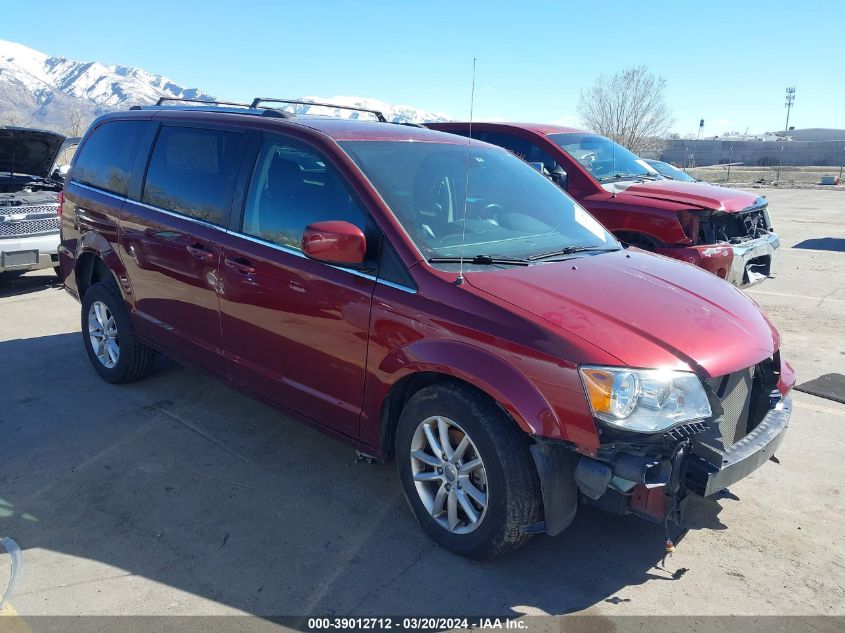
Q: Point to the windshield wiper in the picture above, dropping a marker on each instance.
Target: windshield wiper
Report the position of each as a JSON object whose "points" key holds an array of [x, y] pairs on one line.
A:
{"points": [[622, 176], [481, 260], [569, 250]]}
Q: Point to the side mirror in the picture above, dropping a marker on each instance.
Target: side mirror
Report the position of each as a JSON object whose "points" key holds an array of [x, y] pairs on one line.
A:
{"points": [[334, 242]]}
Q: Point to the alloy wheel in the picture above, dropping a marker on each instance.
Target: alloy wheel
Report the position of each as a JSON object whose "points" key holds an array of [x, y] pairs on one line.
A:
{"points": [[102, 332], [449, 475]]}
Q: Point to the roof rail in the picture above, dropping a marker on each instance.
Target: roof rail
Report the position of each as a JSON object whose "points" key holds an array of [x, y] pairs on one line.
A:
{"points": [[259, 100], [228, 107], [161, 101]]}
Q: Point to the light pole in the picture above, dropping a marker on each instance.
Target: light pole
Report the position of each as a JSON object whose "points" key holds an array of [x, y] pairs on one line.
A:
{"points": [[790, 99], [841, 163], [730, 160]]}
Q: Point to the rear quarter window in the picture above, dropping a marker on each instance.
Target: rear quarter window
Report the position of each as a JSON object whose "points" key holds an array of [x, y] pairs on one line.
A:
{"points": [[192, 171], [105, 160]]}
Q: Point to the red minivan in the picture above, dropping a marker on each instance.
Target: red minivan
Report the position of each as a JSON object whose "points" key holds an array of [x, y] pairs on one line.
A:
{"points": [[426, 299], [725, 231]]}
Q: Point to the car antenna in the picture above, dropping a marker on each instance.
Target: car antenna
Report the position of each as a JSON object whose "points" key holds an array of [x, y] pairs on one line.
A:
{"points": [[613, 167], [460, 278]]}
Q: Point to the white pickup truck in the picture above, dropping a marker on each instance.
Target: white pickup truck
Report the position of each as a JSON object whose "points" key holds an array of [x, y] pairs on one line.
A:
{"points": [[30, 182]]}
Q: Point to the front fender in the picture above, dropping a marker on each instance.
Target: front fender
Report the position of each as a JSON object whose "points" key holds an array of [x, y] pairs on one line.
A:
{"points": [[490, 373]]}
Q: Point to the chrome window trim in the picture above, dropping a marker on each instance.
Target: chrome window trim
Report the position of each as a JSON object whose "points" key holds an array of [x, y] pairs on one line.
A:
{"points": [[392, 284], [174, 214], [102, 191], [181, 216], [263, 242], [251, 238], [298, 253]]}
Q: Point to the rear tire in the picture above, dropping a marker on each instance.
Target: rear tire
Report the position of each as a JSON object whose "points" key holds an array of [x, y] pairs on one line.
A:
{"points": [[109, 340], [506, 480]]}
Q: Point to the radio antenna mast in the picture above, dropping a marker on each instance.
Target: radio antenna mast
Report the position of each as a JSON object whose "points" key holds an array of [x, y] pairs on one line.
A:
{"points": [[460, 278], [613, 161]]}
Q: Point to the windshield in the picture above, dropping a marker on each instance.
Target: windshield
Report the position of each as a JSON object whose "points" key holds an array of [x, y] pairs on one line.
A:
{"points": [[512, 211], [670, 171], [605, 160]]}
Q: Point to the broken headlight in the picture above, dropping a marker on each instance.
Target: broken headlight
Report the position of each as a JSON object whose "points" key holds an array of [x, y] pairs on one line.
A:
{"points": [[644, 400]]}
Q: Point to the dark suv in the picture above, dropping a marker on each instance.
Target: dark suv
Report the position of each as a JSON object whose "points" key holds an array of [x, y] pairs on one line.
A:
{"points": [[496, 340]]}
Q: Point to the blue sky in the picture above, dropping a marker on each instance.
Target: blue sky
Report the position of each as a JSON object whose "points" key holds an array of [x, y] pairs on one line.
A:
{"points": [[726, 62]]}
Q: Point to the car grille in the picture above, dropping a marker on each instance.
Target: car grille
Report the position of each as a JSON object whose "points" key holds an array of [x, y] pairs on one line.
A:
{"points": [[730, 400], [735, 228], [739, 402], [28, 209], [734, 394], [30, 227]]}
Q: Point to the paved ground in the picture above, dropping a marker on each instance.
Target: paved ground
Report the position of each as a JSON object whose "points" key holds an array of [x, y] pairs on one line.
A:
{"points": [[177, 495]]}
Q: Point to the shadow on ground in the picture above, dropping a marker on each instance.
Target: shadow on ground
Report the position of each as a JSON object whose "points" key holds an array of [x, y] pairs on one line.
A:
{"points": [[187, 483], [835, 244], [14, 284]]}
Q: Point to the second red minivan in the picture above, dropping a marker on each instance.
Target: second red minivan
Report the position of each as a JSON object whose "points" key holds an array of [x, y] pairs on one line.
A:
{"points": [[427, 299]]}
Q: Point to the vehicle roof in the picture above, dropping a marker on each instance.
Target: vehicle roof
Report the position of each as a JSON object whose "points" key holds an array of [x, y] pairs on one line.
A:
{"points": [[537, 128], [354, 130], [337, 129]]}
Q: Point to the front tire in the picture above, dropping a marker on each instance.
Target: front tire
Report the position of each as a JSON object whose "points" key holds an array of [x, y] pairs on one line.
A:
{"points": [[109, 340], [466, 471]]}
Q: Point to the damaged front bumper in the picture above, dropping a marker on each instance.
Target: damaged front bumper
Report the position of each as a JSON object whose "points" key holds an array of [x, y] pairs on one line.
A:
{"points": [[752, 260], [650, 485], [744, 457], [743, 264]]}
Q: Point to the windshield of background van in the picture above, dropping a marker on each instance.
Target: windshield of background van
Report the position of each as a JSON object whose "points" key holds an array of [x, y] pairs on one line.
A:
{"points": [[604, 159], [512, 210]]}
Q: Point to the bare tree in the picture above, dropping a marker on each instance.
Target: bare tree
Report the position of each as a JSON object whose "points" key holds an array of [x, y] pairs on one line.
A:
{"points": [[13, 120], [629, 108], [75, 123]]}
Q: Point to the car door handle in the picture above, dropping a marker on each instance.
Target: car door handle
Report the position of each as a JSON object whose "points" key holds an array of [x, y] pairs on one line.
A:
{"points": [[200, 251], [241, 265]]}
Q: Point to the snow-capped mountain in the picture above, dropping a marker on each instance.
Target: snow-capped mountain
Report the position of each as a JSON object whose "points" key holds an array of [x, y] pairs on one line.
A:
{"points": [[57, 93], [396, 113], [54, 92]]}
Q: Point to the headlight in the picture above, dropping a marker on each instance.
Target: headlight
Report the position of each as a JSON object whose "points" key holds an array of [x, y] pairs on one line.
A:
{"points": [[644, 400]]}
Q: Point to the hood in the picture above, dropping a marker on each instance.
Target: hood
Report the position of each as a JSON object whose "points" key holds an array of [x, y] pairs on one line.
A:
{"points": [[646, 310], [695, 194], [28, 151]]}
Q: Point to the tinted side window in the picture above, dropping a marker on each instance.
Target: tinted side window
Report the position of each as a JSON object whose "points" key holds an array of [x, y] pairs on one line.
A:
{"points": [[525, 149], [292, 187], [193, 171], [392, 269], [106, 159], [513, 144]]}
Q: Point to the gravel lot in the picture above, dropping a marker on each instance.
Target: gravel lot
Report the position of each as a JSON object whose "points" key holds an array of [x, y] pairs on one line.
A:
{"points": [[177, 495], [790, 176]]}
